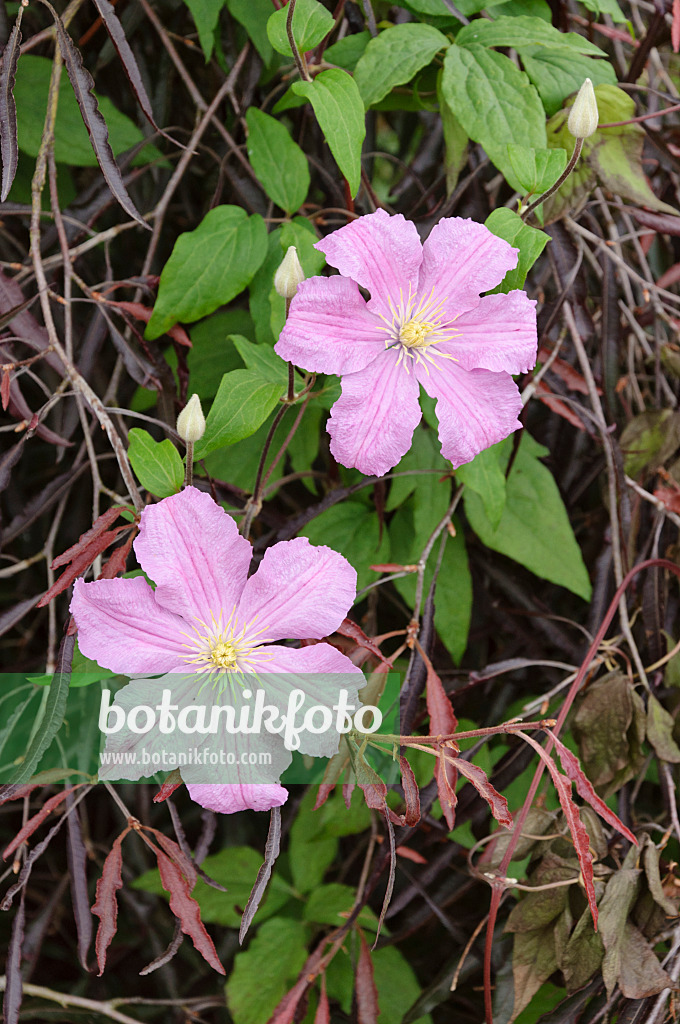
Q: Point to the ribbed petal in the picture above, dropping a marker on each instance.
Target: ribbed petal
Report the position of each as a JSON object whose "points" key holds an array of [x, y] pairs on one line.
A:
{"points": [[192, 550], [321, 672], [123, 628], [475, 409], [229, 799], [372, 423], [330, 329], [462, 259], [380, 252], [499, 334], [299, 590]]}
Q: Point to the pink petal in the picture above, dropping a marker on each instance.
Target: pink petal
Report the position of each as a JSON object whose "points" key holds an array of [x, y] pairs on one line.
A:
{"points": [[475, 409], [121, 627], [372, 423], [329, 328], [192, 550], [298, 591], [462, 259], [232, 798], [499, 334], [321, 672], [380, 252]]}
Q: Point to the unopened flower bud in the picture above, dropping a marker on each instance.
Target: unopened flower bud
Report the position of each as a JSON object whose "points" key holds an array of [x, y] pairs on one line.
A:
{"points": [[584, 116], [191, 421], [289, 275]]}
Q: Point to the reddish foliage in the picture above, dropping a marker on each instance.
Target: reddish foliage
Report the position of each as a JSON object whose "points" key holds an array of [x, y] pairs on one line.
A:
{"points": [[577, 829], [669, 496], [143, 313], [105, 906], [497, 803], [675, 27], [100, 525], [33, 823], [366, 992], [323, 1011], [443, 722], [81, 557], [411, 793], [186, 909], [4, 388], [548, 398], [350, 629], [166, 790], [408, 854], [118, 559], [584, 788]]}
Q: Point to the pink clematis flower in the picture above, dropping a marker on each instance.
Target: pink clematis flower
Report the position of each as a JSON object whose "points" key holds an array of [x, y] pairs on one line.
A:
{"points": [[424, 324], [214, 629]]}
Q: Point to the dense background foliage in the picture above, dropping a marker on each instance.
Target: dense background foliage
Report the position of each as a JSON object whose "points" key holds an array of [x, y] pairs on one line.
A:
{"points": [[504, 570]]}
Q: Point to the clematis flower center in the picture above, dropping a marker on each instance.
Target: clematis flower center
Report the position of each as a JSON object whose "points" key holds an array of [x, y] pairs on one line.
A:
{"points": [[217, 647], [224, 654], [417, 327], [414, 334]]}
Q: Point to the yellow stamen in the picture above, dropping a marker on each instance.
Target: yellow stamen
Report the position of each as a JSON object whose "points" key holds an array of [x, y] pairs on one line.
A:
{"points": [[418, 329]]}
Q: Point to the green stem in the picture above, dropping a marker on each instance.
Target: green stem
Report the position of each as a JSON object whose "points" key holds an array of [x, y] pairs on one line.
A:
{"points": [[189, 470], [562, 178], [298, 57]]}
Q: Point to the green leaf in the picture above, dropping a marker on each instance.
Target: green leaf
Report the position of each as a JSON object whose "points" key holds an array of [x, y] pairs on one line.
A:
{"points": [[242, 403], [346, 52], [398, 988], [534, 529], [71, 141], [312, 850], [523, 30], [253, 15], [51, 721], [311, 23], [453, 596], [263, 360], [494, 101], [263, 972], [537, 170], [513, 8], [649, 440], [609, 727], [278, 162], [530, 241], [437, 8], [353, 530], [394, 57], [485, 477], [205, 14], [422, 501], [213, 354], [236, 868], [660, 725], [558, 74], [267, 307], [339, 110], [455, 141], [331, 904], [157, 464], [609, 7], [208, 267], [612, 155]]}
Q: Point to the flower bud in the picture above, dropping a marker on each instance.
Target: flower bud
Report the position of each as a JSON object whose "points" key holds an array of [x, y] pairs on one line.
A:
{"points": [[289, 275], [191, 421], [584, 116]]}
